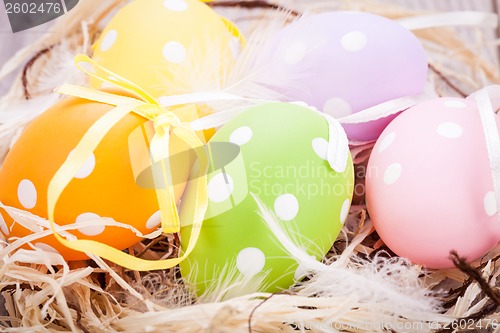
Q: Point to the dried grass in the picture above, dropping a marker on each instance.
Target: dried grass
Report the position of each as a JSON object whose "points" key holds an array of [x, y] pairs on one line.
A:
{"points": [[42, 292]]}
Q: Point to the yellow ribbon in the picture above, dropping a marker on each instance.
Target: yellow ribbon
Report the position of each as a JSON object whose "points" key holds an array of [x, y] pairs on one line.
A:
{"points": [[165, 123]]}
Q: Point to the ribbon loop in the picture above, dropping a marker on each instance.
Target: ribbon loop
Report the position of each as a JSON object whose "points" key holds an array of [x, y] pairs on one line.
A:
{"points": [[164, 122], [114, 79]]}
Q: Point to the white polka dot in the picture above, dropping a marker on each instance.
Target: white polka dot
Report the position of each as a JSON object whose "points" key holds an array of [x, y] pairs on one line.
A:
{"points": [[450, 130], [320, 147], [91, 230], [286, 206], [490, 204], [295, 52], [455, 104], [302, 271], [337, 108], [250, 261], [26, 193], [235, 46], [3, 226], [174, 52], [218, 189], [154, 220], [386, 142], [344, 211], [108, 40], [46, 248], [392, 173], [354, 41], [86, 168], [175, 5], [241, 135]]}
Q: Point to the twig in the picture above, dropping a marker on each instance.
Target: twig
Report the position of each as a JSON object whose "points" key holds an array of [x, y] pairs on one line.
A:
{"points": [[255, 309], [447, 81], [78, 320], [253, 4], [150, 245], [13, 287], [464, 267], [27, 67]]}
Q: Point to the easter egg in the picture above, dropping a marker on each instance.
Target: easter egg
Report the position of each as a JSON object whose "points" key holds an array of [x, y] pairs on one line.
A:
{"points": [[344, 62], [429, 187], [282, 162], [104, 188], [168, 46]]}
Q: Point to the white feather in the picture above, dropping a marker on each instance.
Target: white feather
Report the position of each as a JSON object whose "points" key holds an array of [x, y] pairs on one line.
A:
{"points": [[59, 69], [391, 286], [252, 79], [15, 116], [230, 284]]}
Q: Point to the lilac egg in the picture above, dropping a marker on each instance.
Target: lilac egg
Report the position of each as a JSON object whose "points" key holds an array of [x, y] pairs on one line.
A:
{"points": [[344, 62]]}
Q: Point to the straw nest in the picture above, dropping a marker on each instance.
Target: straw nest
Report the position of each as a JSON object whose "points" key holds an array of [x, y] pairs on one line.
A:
{"points": [[367, 288]]}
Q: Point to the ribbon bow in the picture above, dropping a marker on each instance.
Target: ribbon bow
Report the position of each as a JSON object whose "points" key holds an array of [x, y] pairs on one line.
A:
{"points": [[165, 124]]}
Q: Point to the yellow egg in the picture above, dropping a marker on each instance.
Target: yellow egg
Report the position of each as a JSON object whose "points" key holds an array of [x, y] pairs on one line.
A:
{"points": [[104, 188], [168, 46]]}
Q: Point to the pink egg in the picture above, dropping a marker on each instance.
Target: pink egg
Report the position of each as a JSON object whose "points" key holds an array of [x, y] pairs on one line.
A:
{"points": [[344, 62], [429, 186]]}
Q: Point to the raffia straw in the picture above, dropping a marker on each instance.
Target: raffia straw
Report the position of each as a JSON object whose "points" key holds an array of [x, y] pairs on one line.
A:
{"points": [[43, 293]]}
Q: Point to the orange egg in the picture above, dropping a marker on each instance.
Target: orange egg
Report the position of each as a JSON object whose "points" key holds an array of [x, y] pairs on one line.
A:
{"points": [[104, 187]]}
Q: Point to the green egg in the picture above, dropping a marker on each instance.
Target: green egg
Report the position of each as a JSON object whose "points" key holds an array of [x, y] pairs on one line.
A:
{"points": [[282, 161]]}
